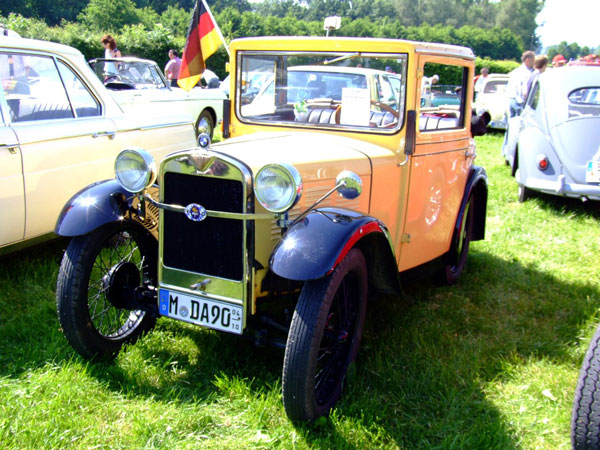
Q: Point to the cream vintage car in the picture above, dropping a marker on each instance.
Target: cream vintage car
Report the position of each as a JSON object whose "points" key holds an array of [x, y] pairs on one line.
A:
{"points": [[492, 98], [134, 83], [282, 232], [60, 131]]}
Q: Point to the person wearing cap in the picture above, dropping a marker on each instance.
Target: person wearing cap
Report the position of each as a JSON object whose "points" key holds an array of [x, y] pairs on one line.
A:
{"points": [[558, 61], [516, 89]]}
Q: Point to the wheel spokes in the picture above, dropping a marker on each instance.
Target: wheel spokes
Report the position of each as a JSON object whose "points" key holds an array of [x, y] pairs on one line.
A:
{"points": [[108, 320]]}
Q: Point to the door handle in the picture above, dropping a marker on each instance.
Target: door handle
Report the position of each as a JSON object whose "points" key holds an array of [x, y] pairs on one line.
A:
{"points": [[12, 149], [469, 154], [108, 134]]}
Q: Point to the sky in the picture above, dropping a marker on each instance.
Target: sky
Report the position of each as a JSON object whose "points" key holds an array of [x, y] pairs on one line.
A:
{"points": [[567, 20], [571, 21]]}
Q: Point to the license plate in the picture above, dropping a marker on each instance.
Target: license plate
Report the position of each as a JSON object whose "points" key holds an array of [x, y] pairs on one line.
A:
{"points": [[592, 173], [201, 311]]}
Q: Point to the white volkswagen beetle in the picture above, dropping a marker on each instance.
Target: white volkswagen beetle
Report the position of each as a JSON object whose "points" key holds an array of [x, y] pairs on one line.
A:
{"points": [[554, 146]]}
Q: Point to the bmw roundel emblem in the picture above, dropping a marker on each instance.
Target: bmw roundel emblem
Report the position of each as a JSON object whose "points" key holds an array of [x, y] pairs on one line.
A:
{"points": [[195, 212]]}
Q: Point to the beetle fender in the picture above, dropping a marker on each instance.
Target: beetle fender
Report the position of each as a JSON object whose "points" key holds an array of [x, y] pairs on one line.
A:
{"points": [[477, 189], [92, 207], [313, 247]]}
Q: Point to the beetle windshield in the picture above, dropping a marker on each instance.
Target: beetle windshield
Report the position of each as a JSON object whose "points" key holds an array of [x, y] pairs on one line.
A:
{"points": [[322, 89]]}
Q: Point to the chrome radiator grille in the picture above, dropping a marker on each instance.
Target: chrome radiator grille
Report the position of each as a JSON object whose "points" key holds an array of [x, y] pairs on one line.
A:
{"points": [[214, 246]]}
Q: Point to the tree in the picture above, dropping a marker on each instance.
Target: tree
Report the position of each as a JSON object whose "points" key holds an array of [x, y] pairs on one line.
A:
{"points": [[519, 17], [109, 15], [52, 12]]}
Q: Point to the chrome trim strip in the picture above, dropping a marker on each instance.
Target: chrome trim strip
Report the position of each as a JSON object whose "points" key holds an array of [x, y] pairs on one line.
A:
{"points": [[210, 213]]}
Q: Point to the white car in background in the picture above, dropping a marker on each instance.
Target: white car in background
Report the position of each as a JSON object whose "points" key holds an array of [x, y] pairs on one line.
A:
{"points": [[60, 131], [492, 98], [135, 83]]}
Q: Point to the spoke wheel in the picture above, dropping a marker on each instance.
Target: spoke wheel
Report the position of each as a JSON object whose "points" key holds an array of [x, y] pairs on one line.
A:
{"points": [[324, 338], [94, 295], [456, 258]]}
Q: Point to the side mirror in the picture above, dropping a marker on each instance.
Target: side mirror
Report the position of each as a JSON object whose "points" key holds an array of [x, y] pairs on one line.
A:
{"points": [[349, 184]]}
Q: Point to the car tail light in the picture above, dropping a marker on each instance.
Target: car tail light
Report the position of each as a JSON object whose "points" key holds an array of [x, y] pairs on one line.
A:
{"points": [[542, 161]]}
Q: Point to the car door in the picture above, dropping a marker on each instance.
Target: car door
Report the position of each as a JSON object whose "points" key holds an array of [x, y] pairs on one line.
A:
{"points": [[441, 162], [12, 197], [66, 143]]}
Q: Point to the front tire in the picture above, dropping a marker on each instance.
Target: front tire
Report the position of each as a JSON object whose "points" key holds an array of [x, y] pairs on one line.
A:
{"points": [[323, 340], [93, 295], [585, 420]]}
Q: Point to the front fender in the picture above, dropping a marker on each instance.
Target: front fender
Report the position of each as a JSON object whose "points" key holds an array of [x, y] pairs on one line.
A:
{"points": [[313, 247], [477, 190], [95, 205]]}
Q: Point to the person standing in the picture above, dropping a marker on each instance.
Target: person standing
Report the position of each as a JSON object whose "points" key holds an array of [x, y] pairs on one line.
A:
{"points": [[110, 51], [516, 89], [539, 66], [110, 47], [481, 79], [172, 68]]}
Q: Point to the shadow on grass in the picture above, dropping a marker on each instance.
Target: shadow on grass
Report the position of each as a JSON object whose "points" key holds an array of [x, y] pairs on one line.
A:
{"points": [[421, 372]]}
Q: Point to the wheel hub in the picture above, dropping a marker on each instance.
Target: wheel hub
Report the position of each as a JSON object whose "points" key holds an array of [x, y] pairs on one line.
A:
{"points": [[120, 283]]}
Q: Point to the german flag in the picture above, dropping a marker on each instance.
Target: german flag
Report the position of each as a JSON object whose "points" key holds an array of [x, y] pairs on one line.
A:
{"points": [[203, 39]]}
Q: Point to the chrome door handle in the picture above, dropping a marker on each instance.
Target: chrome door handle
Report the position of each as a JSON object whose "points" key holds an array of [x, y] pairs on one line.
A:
{"points": [[108, 134]]}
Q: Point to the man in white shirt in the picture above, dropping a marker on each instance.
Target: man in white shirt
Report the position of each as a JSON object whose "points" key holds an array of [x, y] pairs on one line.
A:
{"points": [[518, 81]]}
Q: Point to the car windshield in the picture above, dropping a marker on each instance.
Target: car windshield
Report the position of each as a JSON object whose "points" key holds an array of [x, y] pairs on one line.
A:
{"points": [[493, 87], [322, 90], [133, 74], [584, 102]]}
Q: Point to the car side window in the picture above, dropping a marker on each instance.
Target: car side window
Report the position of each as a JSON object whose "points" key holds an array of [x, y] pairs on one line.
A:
{"points": [[33, 88], [82, 100], [442, 97], [534, 96]]}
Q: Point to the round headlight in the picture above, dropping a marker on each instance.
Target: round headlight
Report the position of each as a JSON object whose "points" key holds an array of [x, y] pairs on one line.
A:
{"points": [[135, 169], [278, 187]]}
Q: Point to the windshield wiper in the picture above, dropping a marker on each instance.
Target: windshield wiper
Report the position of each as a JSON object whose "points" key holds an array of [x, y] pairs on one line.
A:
{"points": [[342, 58]]}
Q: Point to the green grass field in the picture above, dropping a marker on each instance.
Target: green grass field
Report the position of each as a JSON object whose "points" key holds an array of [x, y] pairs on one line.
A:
{"points": [[490, 363]]}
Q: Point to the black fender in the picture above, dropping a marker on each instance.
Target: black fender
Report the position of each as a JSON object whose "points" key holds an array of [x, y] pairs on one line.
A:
{"points": [[95, 205], [313, 247], [477, 189]]}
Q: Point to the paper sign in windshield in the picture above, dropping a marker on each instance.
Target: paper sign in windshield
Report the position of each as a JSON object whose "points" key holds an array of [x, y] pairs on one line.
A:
{"points": [[355, 107]]}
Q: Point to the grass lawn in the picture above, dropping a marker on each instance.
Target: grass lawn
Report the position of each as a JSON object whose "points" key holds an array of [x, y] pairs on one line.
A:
{"points": [[490, 363]]}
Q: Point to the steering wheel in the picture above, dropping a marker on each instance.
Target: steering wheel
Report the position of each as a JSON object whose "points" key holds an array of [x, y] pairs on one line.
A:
{"points": [[385, 107]]}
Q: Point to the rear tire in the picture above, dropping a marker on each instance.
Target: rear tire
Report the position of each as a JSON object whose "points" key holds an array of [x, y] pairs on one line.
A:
{"points": [[323, 340], [524, 193], [585, 419], [95, 269], [456, 258]]}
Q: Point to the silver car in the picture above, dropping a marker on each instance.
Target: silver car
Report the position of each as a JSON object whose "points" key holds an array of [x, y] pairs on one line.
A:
{"points": [[554, 146]]}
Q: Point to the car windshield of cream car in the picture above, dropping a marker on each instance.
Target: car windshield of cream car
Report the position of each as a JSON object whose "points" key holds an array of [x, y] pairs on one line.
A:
{"points": [[340, 90]]}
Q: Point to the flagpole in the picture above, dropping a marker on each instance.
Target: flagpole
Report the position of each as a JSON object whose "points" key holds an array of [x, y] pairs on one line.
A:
{"points": [[216, 27]]}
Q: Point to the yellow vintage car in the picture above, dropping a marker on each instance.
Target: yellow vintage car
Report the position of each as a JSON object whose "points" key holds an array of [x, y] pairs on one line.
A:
{"points": [[312, 204], [60, 131]]}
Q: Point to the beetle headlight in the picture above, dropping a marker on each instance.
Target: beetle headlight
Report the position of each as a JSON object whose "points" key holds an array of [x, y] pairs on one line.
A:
{"points": [[278, 187], [135, 169]]}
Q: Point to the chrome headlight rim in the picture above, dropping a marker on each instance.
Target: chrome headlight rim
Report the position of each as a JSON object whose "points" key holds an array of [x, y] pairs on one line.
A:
{"points": [[146, 168], [295, 190]]}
